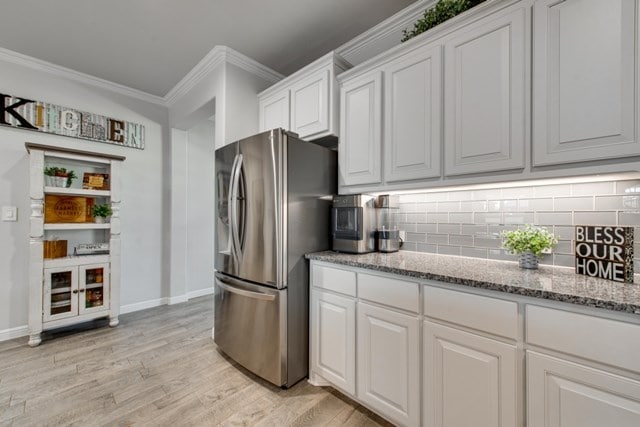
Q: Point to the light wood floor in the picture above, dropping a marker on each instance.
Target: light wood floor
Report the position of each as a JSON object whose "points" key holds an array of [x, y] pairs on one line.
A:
{"points": [[158, 367]]}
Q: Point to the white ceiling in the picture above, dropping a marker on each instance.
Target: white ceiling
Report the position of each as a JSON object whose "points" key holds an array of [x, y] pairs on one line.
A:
{"points": [[150, 45]]}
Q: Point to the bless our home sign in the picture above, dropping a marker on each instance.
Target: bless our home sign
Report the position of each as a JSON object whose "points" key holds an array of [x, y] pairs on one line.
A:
{"points": [[605, 252], [41, 116]]}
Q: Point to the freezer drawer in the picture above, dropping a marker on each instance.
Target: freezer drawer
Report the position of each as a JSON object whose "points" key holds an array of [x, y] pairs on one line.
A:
{"points": [[250, 326]]}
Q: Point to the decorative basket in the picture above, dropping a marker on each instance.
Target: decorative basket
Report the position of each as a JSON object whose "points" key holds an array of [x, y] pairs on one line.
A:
{"points": [[528, 260]]}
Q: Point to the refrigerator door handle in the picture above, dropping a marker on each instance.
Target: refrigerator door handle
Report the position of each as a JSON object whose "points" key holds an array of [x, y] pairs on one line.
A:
{"points": [[233, 207], [276, 207], [245, 293]]}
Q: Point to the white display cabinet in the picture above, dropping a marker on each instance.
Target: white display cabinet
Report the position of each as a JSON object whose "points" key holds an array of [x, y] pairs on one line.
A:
{"points": [[68, 285]]}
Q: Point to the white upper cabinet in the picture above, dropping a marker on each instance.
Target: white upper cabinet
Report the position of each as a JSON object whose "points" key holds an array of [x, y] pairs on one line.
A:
{"points": [[485, 94], [359, 147], [412, 115], [306, 102], [585, 80], [274, 111], [309, 104]]}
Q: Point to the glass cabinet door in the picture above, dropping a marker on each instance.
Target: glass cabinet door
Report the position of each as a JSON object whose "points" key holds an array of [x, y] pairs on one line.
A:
{"points": [[60, 293], [94, 287]]}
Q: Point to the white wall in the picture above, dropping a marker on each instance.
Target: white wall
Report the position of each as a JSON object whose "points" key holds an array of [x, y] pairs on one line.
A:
{"points": [[200, 208], [145, 189]]}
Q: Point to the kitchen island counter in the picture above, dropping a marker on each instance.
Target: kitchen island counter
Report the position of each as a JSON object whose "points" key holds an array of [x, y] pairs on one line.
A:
{"points": [[547, 282]]}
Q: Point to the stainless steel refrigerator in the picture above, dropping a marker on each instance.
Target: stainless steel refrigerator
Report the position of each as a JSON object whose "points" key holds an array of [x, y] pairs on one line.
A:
{"points": [[274, 195]]}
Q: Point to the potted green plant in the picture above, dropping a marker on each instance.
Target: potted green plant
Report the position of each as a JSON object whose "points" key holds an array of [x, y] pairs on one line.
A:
{"points": [[49, 176], [101, 212], [531, 243], [442, 11], [59, 177]]}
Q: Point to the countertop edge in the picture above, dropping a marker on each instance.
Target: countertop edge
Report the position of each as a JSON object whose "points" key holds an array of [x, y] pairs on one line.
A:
{"points": [[510, 289]]}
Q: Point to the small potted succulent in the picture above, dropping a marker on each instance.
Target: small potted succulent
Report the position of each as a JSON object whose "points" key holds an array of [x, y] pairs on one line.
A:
{"points": [[101, 212], [59, 177], [531, 243]]}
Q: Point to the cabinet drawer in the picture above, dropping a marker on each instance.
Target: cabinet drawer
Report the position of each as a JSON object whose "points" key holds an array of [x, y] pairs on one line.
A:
{"points": [[601, 340], [389, 291], [486, 314], [333, 279]]}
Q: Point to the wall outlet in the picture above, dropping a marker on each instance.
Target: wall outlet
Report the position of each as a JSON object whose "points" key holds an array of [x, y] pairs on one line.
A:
{"points": [[9, 213], [403, 235]]}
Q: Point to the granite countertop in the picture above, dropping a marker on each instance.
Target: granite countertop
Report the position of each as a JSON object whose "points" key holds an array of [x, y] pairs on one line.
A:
{"points": [[553, 283]]}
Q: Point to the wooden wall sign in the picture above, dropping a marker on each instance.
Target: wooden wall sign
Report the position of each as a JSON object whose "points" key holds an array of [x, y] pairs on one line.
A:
{"points": [[605, 252], [41, 116]]}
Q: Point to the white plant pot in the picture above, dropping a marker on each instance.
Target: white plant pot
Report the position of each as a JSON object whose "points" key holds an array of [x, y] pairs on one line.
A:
{"points": [[528, 260], [99, 219], [60, 181]]}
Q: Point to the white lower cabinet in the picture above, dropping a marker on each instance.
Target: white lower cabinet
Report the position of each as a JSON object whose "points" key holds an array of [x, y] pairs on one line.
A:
{"points": [[468, 380], [421, 352], [567, 394], [388, 363], [74, 291], [333, 339]]}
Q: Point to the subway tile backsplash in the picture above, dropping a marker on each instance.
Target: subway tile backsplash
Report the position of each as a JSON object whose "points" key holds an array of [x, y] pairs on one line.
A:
{"points": [[470, 222]]}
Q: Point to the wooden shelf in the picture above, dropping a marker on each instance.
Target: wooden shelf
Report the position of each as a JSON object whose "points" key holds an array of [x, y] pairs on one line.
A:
{"points": [[63, 191], [77, 226]]}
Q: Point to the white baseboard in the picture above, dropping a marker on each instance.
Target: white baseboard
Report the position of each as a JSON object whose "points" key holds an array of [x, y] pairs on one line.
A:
{"points": [[22, 331], [200, 292], [177, 299], [130, 308], [11, 333]]}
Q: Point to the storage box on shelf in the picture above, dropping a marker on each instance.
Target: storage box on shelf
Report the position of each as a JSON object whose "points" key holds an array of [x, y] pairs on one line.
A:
{"points": [[66, 289]]}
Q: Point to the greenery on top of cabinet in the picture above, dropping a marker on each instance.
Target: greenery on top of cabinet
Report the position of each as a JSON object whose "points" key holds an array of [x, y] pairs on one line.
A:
{"points": [[442, 11]]}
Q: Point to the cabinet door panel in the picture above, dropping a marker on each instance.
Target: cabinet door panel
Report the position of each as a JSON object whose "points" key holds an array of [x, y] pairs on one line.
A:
{"points": [[584, 104], [567, 394], [93, 288], [485, 95], [310, 105], [333, 339], [468, 379], [359, 147], [413, 105], [60, 298], [388, 367], [274, 111]]}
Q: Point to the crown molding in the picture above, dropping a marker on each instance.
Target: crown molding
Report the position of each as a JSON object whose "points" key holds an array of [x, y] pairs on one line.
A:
{"points": [[215, 57], [400, 21], [57, 70]]}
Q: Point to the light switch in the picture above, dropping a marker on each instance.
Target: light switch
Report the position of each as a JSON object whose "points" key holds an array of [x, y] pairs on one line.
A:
{"points": [[9, 213]]}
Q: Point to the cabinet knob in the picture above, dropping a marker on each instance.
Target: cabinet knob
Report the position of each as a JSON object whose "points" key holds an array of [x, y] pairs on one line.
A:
{"points": [[81, 290], [75, 291]]}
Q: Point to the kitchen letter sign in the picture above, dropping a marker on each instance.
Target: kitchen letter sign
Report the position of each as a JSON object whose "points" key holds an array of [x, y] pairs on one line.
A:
{"points": [[49, 118], [605, 252]]}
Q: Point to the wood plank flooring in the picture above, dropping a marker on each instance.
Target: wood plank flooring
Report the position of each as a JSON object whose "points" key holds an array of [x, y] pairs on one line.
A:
{"points": [[158, 367]]}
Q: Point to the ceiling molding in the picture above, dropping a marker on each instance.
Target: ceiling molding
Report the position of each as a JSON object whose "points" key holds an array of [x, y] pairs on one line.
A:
{"points": [[215, 57], [400, 21], [57, 70]]}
